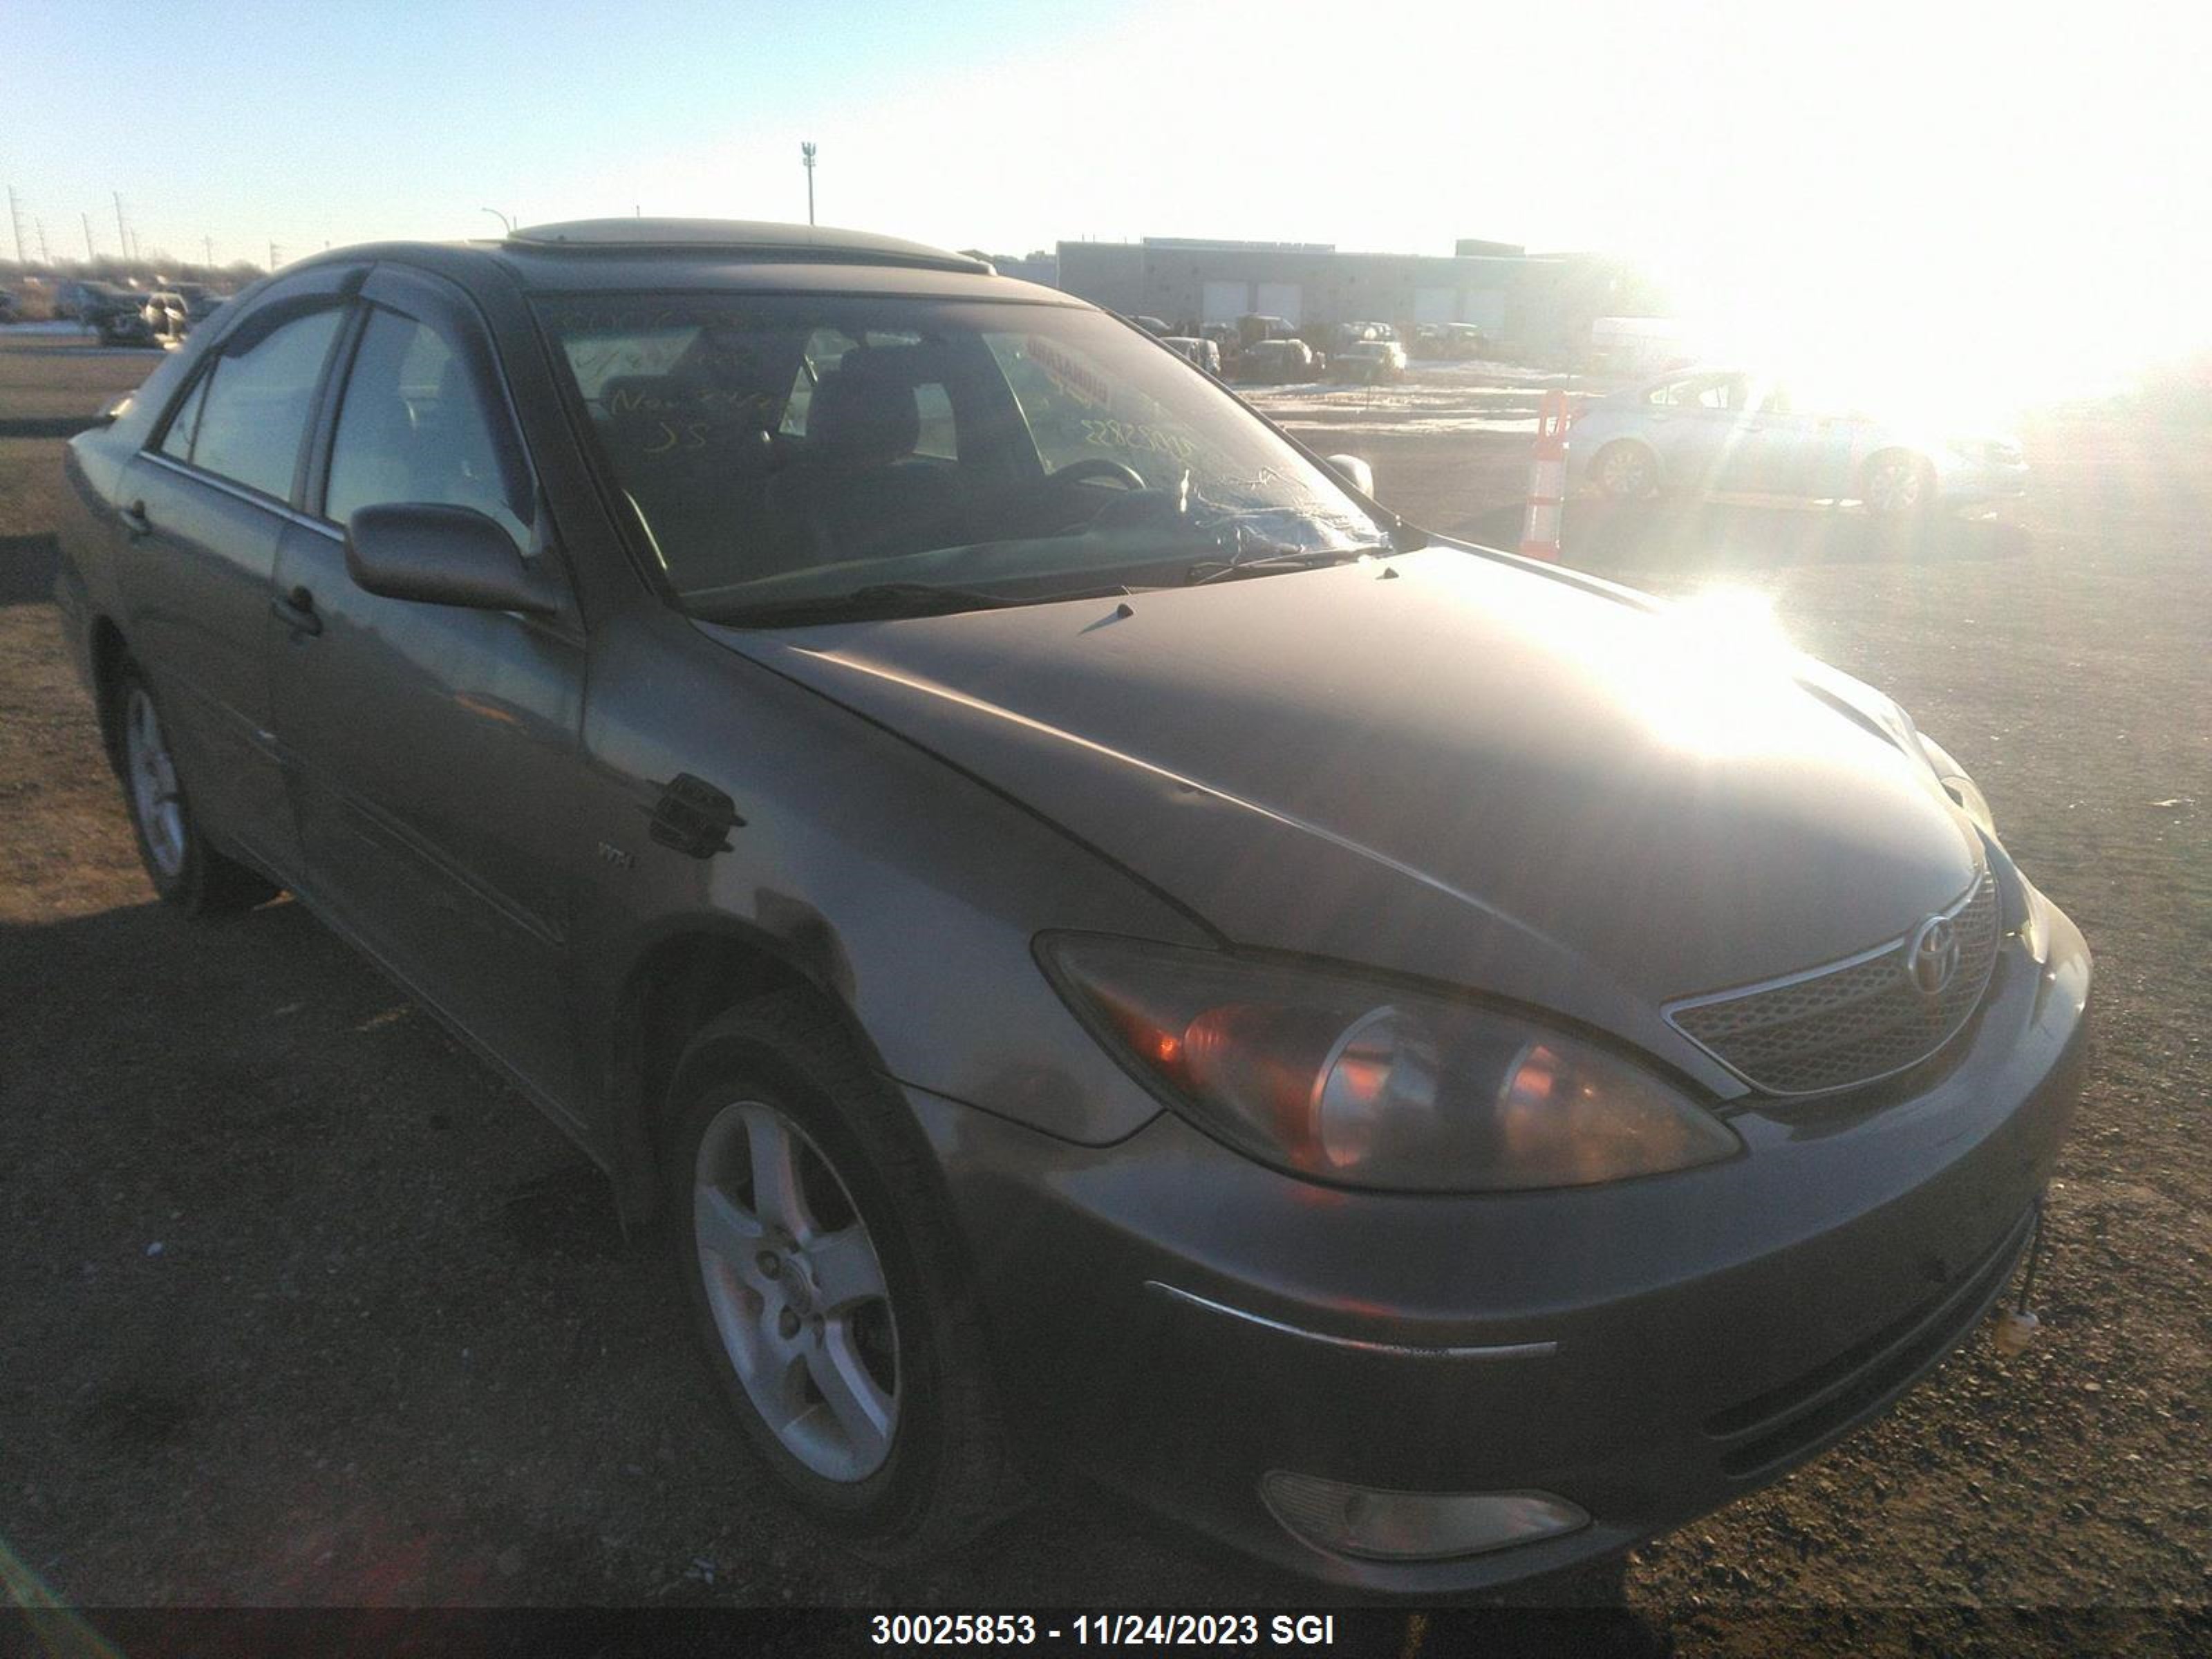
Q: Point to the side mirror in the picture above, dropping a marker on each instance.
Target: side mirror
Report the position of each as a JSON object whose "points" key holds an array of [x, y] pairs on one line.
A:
{"points": [[443, 556], [1354, 471]]}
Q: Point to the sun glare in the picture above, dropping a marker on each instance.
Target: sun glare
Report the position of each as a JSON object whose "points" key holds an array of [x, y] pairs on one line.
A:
{"points": [[1715, 677]]}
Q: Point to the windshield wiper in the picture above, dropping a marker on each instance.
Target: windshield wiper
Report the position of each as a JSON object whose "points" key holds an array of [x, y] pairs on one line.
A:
{"points": [[1266, 560], [885, 600]]}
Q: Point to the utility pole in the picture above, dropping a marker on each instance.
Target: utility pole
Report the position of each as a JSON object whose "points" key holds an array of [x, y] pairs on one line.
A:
{"points": [[122, 236], [16, 214], [207, 243], [44, 257], [807, 155], [90, 256], [272, 255]]}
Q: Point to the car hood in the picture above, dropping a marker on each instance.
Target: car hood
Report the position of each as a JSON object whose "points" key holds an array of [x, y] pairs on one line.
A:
{"points": [[1441, 763]]}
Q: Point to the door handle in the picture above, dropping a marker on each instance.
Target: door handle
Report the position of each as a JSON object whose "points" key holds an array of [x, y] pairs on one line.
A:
{"points": [[136, 521], [296, 610]]}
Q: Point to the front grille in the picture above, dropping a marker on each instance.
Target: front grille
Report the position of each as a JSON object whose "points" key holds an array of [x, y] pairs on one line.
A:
{"points": [[1852, 1022]]}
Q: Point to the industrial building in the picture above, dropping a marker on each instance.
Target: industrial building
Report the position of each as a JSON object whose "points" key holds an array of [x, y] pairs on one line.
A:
{"points": [[1539, 306]]}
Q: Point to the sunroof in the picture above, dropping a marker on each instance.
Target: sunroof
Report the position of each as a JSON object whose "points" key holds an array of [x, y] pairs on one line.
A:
{"points": [[747, 237]]}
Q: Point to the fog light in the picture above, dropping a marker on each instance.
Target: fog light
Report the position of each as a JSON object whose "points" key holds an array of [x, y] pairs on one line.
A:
{"points": [[1414, 1526]]}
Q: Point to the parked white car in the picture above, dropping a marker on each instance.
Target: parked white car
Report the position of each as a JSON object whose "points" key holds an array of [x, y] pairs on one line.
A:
{"points": [[1723, 432]]}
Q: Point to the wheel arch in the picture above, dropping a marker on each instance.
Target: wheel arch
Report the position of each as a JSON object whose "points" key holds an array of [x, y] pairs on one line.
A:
{"points": [[1917, 458], [107, 652], [688, 974]]}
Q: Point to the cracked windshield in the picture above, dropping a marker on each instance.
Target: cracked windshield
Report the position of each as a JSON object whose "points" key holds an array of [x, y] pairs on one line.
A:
{"points": [[864, 457]]}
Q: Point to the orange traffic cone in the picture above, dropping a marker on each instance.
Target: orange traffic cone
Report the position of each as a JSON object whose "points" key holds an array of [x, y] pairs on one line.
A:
{"points": [[1548, 481]]}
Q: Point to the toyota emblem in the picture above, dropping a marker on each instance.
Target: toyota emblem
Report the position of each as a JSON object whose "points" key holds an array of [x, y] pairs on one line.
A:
{"points": [[1932, 959]]}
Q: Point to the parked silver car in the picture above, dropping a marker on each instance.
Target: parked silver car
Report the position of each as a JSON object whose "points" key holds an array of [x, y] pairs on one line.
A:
{"points": [[1724, 432], [1374, 362]]}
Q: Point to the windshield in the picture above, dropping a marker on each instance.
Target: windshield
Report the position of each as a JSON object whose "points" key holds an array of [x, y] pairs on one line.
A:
{"points": [[782, 450]]}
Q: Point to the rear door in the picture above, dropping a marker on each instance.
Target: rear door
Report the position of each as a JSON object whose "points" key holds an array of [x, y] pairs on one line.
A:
{"points": [[432, 750], [1692, 423], [207, 500], [1788, 452], [1768, 454]]}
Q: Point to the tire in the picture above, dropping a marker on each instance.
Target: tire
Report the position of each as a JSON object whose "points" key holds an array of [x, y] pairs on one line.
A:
{"points": [[186, 869], [1626, 471], [1898, 484], [903, 1453]]}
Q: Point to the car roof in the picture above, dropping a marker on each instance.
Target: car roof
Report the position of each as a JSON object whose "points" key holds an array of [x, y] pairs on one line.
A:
{"points": [[752, 237], [671, 255]]}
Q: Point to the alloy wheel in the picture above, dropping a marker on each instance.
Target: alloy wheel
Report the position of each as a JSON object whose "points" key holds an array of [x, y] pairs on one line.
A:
{"points": [[1625, 473], [156, 800], [1895, 486], [797, 1291]]}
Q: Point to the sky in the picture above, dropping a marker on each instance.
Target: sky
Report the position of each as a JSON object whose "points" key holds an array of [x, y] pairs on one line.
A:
{"points": [[1913, 178]]}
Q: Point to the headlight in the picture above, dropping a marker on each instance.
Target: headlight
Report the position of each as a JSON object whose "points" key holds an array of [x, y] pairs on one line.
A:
{"points": [[1957, 785], [1337, 1078]]}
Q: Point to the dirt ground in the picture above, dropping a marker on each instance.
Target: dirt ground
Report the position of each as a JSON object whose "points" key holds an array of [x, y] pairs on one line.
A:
{"points": [[302, 1305]]}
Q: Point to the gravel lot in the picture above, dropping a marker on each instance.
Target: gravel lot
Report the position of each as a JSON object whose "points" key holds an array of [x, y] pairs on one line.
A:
{"points": [[302, 1306]]}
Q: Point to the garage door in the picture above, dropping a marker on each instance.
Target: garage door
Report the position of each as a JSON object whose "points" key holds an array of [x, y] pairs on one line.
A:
{"points": [[1435, 305], [1226, 301], [1279, 299], [1486, 305]]}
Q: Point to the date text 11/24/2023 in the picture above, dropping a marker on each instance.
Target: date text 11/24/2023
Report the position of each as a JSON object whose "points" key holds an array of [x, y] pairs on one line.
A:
{"points": [[968, 1629]]}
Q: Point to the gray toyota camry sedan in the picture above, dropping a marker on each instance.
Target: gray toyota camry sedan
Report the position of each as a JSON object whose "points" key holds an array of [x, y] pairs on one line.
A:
{"points": [[1094, 940]]}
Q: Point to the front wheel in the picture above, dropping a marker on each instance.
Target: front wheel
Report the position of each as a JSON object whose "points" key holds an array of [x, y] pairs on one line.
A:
{"points": [[187, 871], [1897, 483], [826, 1283]]}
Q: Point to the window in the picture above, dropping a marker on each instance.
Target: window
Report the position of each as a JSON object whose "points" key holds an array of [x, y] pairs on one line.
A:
{"points": [[177, 444], [939, 440], [1718, 392], [825, 349], [254, 410], [825, 355], [414, 428], [1076, 413], [795, 447]]}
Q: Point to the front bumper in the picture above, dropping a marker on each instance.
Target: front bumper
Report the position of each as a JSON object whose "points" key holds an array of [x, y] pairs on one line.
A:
{"points": [[1179, 1321]]}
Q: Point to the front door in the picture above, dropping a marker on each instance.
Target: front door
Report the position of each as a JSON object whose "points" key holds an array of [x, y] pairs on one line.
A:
{"points": [[432, 749]]}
